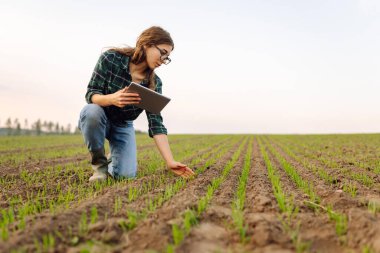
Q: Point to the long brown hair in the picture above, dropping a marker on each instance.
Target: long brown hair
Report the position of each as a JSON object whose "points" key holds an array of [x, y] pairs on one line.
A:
{"points": [[154, 35]]}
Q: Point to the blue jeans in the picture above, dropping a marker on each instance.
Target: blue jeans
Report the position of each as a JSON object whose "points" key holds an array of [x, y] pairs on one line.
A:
{"points": [[96, 127]]}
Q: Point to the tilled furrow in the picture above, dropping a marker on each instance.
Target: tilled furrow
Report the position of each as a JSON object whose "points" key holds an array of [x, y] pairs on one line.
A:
{"points": [[264, 230], [155, 231], [38, 165], [212, 234], [69, 220], [325, 239], [361, 222]]}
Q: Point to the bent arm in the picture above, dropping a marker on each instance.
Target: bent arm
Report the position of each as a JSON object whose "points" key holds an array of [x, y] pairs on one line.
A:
{"points": [[162, 144], [102, 100], [177, 168]]}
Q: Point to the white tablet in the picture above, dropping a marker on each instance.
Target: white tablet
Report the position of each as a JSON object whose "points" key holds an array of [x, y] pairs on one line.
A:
{"points": [[151, 101]]}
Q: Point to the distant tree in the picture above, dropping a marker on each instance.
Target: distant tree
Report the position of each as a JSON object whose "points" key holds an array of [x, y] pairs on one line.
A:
{"points": [[18, 128], [57, 128], [8, 124], [50, 126], [44, 126], [38, 127], [15, 122], [26, 127]]}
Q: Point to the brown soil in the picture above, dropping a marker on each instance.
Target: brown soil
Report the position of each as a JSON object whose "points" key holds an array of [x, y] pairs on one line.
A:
{"points": [[21, 188], [35, 166], [215, 231], [17, 150], [363, 227], [265, 231], [315, 228], [65, 146], [361, 153], [155, 231], [212, 234], [342, 177], [44, 223]]}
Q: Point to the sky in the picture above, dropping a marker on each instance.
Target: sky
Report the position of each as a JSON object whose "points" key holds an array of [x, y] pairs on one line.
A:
{"points": [[237, 67]]}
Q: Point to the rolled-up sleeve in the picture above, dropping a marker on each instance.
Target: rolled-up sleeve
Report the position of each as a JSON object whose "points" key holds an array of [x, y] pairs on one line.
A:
{"points": [[100, 75], [155, 121]]}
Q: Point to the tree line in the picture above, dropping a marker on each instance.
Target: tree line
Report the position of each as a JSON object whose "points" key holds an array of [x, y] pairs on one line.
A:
{"points": [[39, 127]]}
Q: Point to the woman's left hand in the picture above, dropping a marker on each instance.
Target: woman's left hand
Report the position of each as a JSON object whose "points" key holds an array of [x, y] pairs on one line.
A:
{"points": [[180, 169]]}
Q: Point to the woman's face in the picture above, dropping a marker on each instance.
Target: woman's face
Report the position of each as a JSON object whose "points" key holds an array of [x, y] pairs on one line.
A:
{"points": [[157, 54]]}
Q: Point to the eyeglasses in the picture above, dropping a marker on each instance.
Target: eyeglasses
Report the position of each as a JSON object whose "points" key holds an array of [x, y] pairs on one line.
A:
{"points": [[166, 60]]}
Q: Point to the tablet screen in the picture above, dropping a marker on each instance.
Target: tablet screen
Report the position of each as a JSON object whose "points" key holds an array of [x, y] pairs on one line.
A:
{"points": [[151, 101]]}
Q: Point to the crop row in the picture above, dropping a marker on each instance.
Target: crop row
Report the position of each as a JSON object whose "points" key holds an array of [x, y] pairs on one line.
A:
{"points": [[191, 216], [10, 144], [239, 201], [151, 203], [25, 158], [64, 193], [285, 202], [360, 152], [22, 143], [339, 219], [307, 187], [350, 178], [66, 171]]}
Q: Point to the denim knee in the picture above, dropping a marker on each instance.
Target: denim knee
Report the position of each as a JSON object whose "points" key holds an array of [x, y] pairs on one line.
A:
{"points": [[124, 175], [92, 115], [122, 170]]}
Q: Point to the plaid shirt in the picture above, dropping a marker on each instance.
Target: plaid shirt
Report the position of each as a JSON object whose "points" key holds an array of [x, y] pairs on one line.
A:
{"points": [[111, 74]]}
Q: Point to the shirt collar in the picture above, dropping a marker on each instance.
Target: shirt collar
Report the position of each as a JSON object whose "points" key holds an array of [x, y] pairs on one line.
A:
{"points": [[125, 65]]}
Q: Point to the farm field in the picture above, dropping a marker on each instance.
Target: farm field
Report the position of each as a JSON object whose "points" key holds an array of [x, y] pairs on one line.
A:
{"points": [[251, 193]]}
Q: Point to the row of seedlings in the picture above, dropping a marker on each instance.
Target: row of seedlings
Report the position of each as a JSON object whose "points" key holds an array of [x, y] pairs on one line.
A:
{"points": [[191, 216], [79, 231], [349, 186], [315, 153], [22, 207], [285, 202], [307, 187], [239, 201], [52, 154]]}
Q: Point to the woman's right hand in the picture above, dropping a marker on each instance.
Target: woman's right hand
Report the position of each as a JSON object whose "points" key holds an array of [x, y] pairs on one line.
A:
{"points": [[122, 98]]}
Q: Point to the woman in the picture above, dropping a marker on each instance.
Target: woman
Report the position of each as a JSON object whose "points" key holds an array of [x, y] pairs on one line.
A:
{"points": [[111, 109]]}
